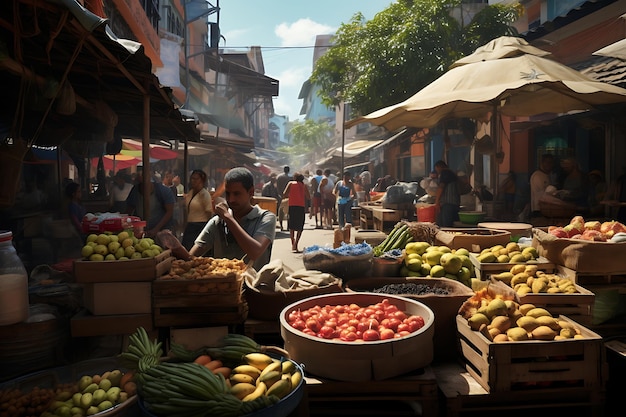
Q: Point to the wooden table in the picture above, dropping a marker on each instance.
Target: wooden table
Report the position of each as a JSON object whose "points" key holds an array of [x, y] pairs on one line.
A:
{"points": [[384, 219]]}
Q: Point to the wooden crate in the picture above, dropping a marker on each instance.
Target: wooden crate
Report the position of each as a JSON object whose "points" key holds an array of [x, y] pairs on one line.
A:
{"points": [[200, 316], [84, 324], [600, 278], [517, 366], [222, 291], [146, 269], [463, 395], [416, 390], [484, 269], [575, 305]]}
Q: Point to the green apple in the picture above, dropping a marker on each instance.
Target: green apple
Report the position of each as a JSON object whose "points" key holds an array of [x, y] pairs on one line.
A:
{"points": [[156, 249], [101, 249], [114, 246], [92, 238], [437, 271], [129, 251], [414, 265], [110, 257], [119, 253], [123, 236], [96, 257], [148, 253], [114, 238], [127, 242], [136, 255], [86, 251], [451, 263], [103, 239]]}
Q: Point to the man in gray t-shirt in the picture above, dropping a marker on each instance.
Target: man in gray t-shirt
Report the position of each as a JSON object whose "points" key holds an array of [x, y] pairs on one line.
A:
{"points": [[238, 229]]}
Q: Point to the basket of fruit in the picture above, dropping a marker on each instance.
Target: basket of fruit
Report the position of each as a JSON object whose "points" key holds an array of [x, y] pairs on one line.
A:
{"points": [[237, 378], [443, 296], [358, 336], [99, 387]]}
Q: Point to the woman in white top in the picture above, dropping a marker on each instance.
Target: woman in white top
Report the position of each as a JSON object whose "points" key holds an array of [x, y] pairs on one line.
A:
{"points": [[199, 207]]}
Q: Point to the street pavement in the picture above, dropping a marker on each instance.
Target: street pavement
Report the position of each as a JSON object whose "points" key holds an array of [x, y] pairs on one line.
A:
{"points": [[310, 236]]}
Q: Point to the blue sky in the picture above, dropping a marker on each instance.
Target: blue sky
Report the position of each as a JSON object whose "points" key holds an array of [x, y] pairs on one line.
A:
{"points": [[286, 30]]}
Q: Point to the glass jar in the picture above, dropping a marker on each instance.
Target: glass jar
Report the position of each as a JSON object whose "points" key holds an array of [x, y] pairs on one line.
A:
{"points": [[13, 283]]}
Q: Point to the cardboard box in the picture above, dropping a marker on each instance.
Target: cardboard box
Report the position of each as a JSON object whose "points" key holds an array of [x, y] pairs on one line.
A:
{"points": [[474, 240], [84, 324], [132, 270], [360, 361], [105, 298], [523, 365], [582, 256]]}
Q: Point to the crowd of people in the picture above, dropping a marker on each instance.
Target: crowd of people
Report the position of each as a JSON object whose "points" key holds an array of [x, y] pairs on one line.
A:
{"points": [[566, 185]]}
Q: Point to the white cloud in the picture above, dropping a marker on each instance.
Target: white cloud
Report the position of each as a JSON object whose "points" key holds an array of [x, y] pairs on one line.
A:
{"points": [[293, 77], [286, 107], [301, 32], [234, 37]]}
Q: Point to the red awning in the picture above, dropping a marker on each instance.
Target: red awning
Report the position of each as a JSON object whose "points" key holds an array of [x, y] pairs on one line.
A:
{"points": [[120, 162], [130, 146]]}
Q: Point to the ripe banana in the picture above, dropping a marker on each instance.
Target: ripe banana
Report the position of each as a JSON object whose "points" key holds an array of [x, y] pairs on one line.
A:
{"points": [[296, 377], [260, 390], [236, 379], [270, 378], [288, 367], [242, 390], [272, 367], [258, 360], [253, 371], [280, 388]]}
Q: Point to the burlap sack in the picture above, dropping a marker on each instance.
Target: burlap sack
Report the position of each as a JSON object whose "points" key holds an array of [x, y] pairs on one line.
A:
{"points": [[581, 255]]}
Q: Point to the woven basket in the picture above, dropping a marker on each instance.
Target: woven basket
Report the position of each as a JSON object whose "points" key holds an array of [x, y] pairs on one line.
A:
{"points": [[552, 210], [11, 157]]}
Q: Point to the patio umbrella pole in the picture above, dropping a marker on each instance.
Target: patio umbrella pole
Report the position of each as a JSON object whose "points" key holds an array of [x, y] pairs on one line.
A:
{"points": [[495, 134]]}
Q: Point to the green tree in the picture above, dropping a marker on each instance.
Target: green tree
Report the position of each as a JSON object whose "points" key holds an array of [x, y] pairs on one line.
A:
{"points": [[383, 61], [310, 136]]}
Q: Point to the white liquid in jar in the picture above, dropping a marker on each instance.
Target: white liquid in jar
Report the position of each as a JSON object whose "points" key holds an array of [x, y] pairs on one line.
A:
{"points": [[13, 299]]}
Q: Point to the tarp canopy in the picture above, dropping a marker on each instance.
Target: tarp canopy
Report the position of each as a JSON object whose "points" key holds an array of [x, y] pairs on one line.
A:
{"points": [[519, 84]]}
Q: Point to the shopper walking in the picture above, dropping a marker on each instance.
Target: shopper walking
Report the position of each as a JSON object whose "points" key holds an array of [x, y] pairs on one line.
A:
{"points": [[345, 193], [199, 207], [298, 194]]}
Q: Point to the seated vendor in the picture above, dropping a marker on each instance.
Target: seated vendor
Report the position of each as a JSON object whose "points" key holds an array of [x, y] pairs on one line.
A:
{"points": [[238, 230]]}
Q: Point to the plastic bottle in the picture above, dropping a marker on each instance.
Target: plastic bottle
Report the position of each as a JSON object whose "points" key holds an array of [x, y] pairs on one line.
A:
{"points": [[13, 283]]}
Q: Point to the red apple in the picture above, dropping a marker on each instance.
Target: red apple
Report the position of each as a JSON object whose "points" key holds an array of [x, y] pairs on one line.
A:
{"points": [[559, 232], [593, 235], [573, 229], [612, 227]]}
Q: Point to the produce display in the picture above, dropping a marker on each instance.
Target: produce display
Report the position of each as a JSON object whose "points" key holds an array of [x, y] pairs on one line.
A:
{"points": [[504, 320], [124, 245], [511, 253], [349, 323], [208, 267], [233, 379], [526, 279], [346, 249], [595, 231], [90, 395], [421, 259]]}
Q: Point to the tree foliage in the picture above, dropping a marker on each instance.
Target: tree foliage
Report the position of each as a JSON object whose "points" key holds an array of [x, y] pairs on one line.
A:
{"points": [[310, 136], [383, 61]]}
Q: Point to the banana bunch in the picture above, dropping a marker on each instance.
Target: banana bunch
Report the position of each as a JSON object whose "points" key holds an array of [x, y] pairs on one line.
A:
{"points": [[141, 353], [260, 375], [189, 389], [233, 347]]}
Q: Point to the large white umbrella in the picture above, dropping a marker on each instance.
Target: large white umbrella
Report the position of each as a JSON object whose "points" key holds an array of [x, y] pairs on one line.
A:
{"points": [[507, 76]]}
